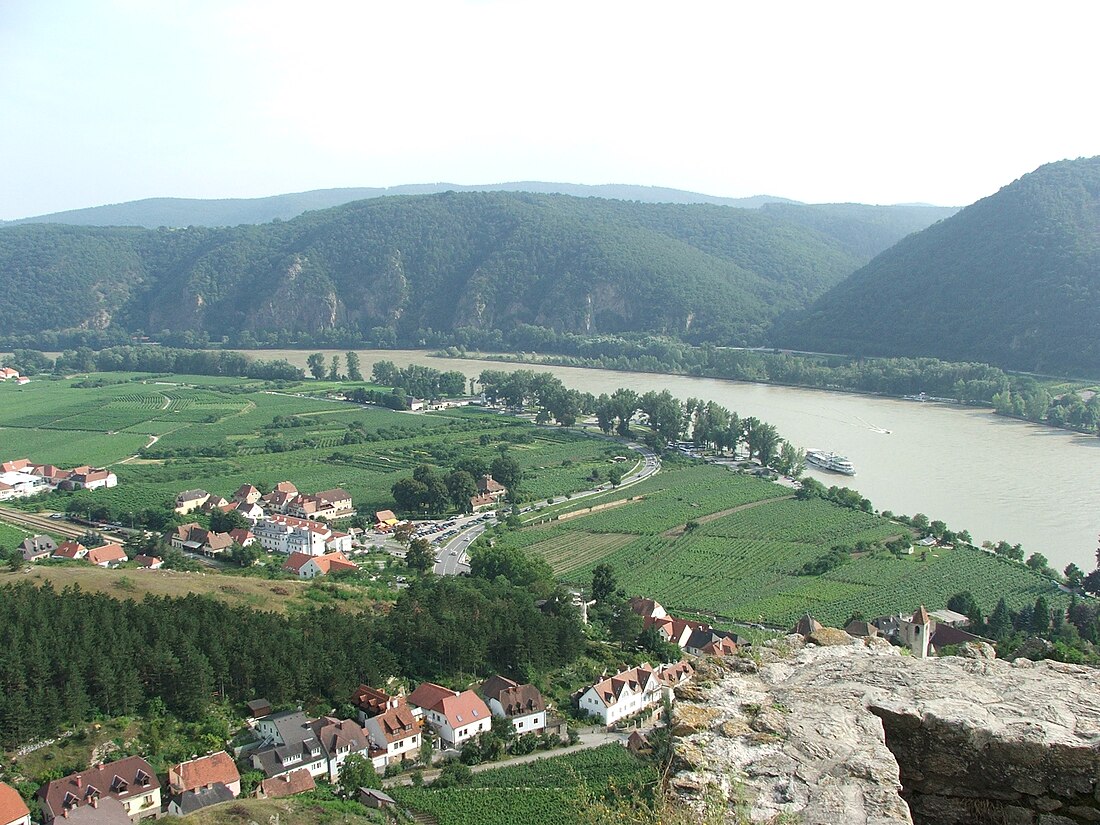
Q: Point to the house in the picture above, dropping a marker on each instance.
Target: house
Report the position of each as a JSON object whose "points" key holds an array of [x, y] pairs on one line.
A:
{"points": [[339, 738], [251, 511], [706, 641], [805, 626], [107, 555], [624, 694], [247, 494], [15, 465], [8, 372], [199, 783], [215, 503], [22, 379], [13, 810], [149, 562], [104, 811], [258, 708], [647, 608], [36, 548], [374, 798], [673, 630], [489, 486], [329, 504], [672, 675], [455, 717], [638, 744], [286, 784], [91, 478], [950, 617], [217, 768], [52, 475], [190, 500], [195, 538], [860, 629], [310, 567], [129, 781], [242, 536], [70, 550], [394, 735], [289, 534], [289, 744], [20, 483], [372, 701], [522, 705], [385, 520]]}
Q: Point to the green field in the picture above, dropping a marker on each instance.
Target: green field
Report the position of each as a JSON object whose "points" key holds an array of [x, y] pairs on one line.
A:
{"points": [[544, 791], [216, 433], [743, 566]]}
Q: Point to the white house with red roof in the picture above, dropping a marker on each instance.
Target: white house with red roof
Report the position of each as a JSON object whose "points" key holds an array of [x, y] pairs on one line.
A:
{"points": [[310, 567], [107, 555], [288, 534], [622, 695], [70, 550], [455, 717], [394, 735], [8, 372], [522, 705], [13, 810]]}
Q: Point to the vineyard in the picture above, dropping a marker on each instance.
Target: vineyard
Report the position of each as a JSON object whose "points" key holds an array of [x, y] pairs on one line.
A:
{"points": [[544, 791]]}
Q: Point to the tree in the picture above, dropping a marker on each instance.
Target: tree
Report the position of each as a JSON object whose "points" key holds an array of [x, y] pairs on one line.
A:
{"points": [[1040, 616], [615, 475], [224, 522], [245, 556], [1074, 575], [409, 494], [626, 626], [334, 369], [1038, 562], [1000, 622], [507, 471], [420, 556], [316, 365], [358, 772], [603, 582], [354, 371], [967, 605], [461, 487]]}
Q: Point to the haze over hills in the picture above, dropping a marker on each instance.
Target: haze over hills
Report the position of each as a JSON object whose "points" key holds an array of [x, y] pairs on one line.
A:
{"points": [[1012, 280], [179, 212], [403, 268]]}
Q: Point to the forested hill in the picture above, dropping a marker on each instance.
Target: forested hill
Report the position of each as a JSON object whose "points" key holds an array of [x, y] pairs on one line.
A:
{"points": [[405, 269], [1013, 280], [179, 212]]}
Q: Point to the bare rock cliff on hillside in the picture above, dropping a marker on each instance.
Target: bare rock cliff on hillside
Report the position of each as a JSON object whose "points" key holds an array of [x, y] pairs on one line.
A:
{"points": [[858, 734]]}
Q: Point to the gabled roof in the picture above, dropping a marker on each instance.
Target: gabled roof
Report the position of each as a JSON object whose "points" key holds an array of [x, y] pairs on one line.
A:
{"points": [[296, 561], [492, 687], [285, 487], [204, 798], [371, 700], [464, 709], [206, 770], [392, 725], [122, 779], [71, 550], [334, 734], [12, 806], [428, 695], [334, 562], [674, 674], [920, 616], [288, 784], [634, 680], [106, 554], [149, 561], [806, 625], [646, 607], [488, 484], [190, 495], [385, 517], [860, 628]]}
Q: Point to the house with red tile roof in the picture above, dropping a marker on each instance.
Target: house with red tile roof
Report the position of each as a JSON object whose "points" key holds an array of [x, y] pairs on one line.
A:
{"points": [[195, 538], [287, 784], [70, 550], [149, 562], [199, 783], [394, 735], [310, 567], [13, 810], [340, 738], [8, 372], [455, 717], [90, 478], [247, 494], [372, 701], [107, 555], [625, 694], [130, 781]]}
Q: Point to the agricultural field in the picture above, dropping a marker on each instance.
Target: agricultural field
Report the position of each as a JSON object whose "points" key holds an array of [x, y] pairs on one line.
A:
{"points": [[544, 791], [744, 565], [163, 434]]}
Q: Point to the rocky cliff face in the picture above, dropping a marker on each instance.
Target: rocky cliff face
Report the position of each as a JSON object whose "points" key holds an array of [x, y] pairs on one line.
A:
{"points": [[854, 733]]}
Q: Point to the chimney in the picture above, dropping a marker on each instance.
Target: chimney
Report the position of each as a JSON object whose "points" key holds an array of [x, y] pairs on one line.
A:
{"points": [[95, 801], [79, 781]]}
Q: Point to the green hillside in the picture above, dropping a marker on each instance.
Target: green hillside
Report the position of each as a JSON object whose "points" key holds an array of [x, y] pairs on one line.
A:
{"points": [[1012, 280], [412, 267]]}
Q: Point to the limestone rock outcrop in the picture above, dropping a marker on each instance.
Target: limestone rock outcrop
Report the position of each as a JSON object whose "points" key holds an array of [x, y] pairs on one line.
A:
{"points": [[862, 735]]}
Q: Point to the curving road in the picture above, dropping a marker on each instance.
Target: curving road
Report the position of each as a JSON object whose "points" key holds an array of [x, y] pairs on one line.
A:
{"points": [[451, 558]]}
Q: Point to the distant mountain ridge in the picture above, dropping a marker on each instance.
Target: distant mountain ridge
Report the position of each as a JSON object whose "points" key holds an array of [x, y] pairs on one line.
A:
{"points": [[414, 268], [180, 212], [1012, 280]]}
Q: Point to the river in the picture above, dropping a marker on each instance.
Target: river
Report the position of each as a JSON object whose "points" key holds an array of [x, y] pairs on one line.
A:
{"points": [[996, 477]]}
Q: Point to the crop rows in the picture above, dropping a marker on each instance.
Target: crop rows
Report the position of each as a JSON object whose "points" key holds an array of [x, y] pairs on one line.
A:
{"points": [[492, 806], [568, 550], [812, 521], [596, 766]]}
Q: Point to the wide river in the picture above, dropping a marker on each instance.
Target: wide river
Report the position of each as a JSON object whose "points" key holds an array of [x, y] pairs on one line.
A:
{"points": [[996, 477]]}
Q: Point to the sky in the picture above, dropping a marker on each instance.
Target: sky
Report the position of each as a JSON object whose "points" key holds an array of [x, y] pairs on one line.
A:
{"points": [[104, 101]]}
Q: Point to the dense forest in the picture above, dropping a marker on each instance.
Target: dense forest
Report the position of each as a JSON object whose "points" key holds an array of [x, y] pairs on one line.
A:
{"points": [[1012, 280], [420, 270], [66, 657]]}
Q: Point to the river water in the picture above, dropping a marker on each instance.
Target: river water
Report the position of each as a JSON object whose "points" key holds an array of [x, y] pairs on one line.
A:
{"points": [[996, 477]]}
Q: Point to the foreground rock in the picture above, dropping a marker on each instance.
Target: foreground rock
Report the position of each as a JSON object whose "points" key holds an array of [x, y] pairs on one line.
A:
{"points": [[858, 734]]}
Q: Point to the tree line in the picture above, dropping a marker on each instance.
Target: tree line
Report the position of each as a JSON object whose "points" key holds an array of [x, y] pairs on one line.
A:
{"points": [[154, 359]]}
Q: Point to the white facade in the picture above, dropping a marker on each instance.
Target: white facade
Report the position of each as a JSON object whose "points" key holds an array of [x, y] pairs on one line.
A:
{"points": [[528, 723], [452, 737], [622, 696], [286, 534], [21, 485]]}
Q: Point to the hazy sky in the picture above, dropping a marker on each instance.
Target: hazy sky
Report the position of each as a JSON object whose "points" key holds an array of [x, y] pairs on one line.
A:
{"points": [[878, 102]]}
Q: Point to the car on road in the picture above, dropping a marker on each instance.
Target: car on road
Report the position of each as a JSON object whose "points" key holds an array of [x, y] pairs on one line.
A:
{"points": [[57, 515]]}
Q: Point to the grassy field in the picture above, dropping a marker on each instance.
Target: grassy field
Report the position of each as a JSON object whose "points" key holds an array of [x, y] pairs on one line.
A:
{"points": [[240, 591], [217, 433], [744, 565]]}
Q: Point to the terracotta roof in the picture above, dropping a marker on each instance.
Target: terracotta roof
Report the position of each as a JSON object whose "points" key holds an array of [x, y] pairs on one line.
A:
{"points": [[610, 689], [463, 709], [149, 561], [12, 806], [488, 484], [676, 673], [335, 562], [392, 725], [383, 516], [105, 554], [288, 784], [921, 616], [241, 535], [285, 487], [206, 770], [123, 779], [15, 465], [372, 700], [428, 695], [335, 733], [515, 699], [645, 607], [71, 550]]}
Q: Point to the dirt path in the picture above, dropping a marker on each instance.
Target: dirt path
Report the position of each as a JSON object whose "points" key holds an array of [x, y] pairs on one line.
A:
{"points": [[678, 531]]}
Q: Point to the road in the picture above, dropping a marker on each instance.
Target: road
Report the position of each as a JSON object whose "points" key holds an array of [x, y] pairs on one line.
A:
{"points": [[451, 559]]}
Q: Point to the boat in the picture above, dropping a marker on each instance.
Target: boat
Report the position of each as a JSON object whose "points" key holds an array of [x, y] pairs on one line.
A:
{"points": [[830, 461]]}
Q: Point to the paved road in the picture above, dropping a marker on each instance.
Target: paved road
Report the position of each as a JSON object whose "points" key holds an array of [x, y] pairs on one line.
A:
{"points": [[587, 741], [451, 558]]}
